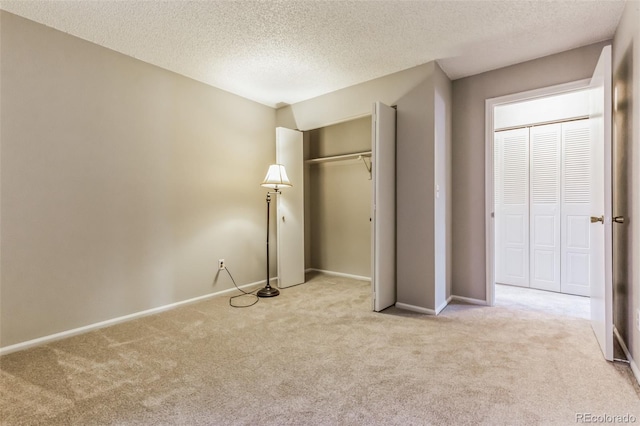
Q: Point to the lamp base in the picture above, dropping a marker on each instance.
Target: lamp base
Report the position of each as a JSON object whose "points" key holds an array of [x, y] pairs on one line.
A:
{"points": [[268, 291]]}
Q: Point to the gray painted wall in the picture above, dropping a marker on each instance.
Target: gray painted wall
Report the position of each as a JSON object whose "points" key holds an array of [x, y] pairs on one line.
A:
{"points": [[122, 184], [339, 200], [415, 212], [423, 165], [468, 155]]}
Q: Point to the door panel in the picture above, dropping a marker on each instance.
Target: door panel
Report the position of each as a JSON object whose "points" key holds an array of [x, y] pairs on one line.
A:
{"points": [[576, 201], [383, 165], [290, 209], [512, 207], [545, 144], [623, 256], [600, 231]]}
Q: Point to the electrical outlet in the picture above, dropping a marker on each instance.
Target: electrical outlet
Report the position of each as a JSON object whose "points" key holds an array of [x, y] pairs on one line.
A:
{"points": [[220, 264]]}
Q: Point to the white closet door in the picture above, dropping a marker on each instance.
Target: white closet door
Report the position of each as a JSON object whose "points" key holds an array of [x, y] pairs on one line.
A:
{"points": [[600, 234], [545, 207], [383, 237], [290, 211], [576, 184], [512, 215]]}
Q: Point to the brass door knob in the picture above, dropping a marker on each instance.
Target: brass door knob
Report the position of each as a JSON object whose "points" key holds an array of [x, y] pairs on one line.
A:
{"points": [[618, 219], [597, 219]]}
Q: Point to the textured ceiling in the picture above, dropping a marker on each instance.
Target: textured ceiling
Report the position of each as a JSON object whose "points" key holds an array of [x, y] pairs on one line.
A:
{"points": [[283, 52]]}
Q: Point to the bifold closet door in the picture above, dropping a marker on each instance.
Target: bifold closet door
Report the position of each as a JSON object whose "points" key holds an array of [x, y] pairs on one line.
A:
{"points": [[290, 209], [576, 202], [511, 151], [383, 209], [545, 207]]}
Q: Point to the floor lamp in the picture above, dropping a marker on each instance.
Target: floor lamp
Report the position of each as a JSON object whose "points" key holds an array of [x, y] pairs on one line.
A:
{"points": [[276, 178]]}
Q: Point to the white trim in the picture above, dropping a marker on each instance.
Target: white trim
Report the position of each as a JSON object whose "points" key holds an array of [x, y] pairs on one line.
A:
{"points": [[414, 308], [542, 92], [443, 305], [632, 363], [489, 244], [102, 324], [469, 300], [339, 274], [490, 104]]}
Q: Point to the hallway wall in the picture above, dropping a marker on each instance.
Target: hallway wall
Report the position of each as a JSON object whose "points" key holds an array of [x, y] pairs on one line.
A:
{"points": [[468, 167]]}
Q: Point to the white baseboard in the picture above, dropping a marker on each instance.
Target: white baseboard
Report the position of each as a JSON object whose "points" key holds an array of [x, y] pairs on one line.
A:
{"points": [[414, 308], [422, 310], [339, 274], [469, 300], [85, 329], [632, 363]]}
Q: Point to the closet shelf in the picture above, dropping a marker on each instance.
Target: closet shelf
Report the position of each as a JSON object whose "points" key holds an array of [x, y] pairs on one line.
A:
{"points": [[354, 156]]}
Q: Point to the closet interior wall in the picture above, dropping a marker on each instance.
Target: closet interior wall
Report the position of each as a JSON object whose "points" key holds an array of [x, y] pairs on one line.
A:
{"points": [[338, 199]]}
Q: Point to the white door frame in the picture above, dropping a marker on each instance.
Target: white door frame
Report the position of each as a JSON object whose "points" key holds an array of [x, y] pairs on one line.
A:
{"points": [[490, 104]]}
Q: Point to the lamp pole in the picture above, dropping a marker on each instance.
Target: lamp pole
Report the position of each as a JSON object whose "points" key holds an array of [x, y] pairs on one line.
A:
{"points": [[276, 178], [268, 291]]}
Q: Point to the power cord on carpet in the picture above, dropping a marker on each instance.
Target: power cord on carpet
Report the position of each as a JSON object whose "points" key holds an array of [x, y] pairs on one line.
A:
{"points": [[244, 293]]}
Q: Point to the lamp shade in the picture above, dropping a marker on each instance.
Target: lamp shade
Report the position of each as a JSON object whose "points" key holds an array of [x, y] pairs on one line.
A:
{"points": [[276, 177]]}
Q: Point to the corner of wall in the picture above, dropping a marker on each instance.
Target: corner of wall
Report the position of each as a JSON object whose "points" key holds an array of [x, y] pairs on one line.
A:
{"points": [[286, 118]]}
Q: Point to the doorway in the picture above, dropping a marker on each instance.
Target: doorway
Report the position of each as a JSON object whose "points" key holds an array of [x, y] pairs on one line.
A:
{"points": [[540, 195], [381, 201]]}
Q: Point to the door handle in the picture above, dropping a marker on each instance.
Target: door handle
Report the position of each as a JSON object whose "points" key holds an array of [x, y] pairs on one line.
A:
{"points": [[597, 219], [618, 219]]}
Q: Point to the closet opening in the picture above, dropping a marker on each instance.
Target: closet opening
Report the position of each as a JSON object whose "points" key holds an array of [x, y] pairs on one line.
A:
{"points": [[338, 199], [541, 200]]}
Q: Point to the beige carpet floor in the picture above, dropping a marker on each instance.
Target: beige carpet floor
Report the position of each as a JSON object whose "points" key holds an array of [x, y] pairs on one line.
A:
{"points": [[531, 299], [317, 355]]}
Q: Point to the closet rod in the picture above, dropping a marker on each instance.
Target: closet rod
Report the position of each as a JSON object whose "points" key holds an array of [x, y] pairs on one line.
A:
{"points": [[354, 156]]}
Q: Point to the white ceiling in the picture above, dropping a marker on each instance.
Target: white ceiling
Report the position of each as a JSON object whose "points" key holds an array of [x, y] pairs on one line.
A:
{"points": [[283, 52]]}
